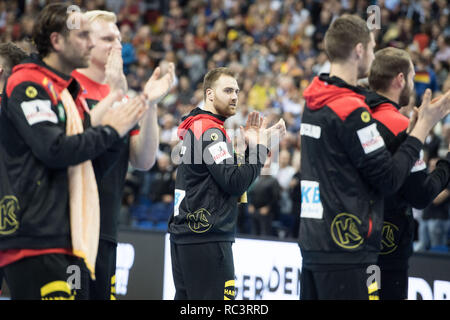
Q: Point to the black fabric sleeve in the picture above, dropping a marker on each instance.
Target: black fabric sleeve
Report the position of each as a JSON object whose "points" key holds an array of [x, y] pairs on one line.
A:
{"points": [[367, 151], [36, 119], [218, 155], [105, 163], [392, 141], [422, 187]]}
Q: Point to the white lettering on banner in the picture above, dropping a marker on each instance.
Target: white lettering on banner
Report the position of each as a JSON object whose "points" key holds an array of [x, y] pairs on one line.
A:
{"points": [[311, 204], [179, 196], [263, 270], [219, 152], [419, 289], [370, 138], [441, 290], [310, 130], [36, 111], [271, 270], [124, 262], [420, 164]]}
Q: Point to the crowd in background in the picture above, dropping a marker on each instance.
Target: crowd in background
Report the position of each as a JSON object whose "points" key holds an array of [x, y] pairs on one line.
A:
{"points": [[275, 48]]}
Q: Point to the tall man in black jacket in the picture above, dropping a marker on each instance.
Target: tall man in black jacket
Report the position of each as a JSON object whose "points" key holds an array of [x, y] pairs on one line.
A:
{"points": [[347, 170], [210, 180], [391, 79], [10, 56], [138, 148]]}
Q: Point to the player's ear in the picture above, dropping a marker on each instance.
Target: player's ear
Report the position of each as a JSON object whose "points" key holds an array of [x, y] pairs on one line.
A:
{"points": [[56, 39], [401, 80], [359, 50], [210, 94]]}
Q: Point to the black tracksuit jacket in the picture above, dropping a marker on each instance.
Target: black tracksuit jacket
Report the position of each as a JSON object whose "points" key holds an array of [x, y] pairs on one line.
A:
{"points": [[210, 180], [346, 172], [37, 153], [419, 189]]}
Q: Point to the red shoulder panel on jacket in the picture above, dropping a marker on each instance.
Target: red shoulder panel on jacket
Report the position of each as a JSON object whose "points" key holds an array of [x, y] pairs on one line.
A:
{"points": [[203, 124], [344, 106], [388, 115], [31, 75]]}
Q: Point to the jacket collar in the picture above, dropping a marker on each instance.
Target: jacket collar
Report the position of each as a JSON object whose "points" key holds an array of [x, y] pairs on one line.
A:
{"points": [[374, 99]]}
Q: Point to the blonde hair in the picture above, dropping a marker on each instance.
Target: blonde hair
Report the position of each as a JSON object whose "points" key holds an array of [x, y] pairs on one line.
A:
{"points": [[102, 15]]}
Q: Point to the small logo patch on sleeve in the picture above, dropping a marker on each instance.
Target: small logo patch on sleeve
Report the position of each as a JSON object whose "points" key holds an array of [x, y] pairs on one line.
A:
{"points": [[365, 116], [310, 130], [36, 111], [179, 196], [31, 92], [311, 204], [219, 152], [370, 138]]}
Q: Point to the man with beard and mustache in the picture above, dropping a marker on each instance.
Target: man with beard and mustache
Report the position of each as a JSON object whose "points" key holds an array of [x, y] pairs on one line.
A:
{"points": [[347, 169], [392, 81], [211, 179]]}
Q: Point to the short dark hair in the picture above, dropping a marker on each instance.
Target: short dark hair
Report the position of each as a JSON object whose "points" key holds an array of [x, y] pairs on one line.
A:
{"points": [[343, 35], [53, 18], [11, 56], [213, 75], [388, 63]]}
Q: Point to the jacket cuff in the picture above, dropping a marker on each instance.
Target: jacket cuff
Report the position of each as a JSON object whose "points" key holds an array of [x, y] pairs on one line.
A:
{"points": [[111, 132]]}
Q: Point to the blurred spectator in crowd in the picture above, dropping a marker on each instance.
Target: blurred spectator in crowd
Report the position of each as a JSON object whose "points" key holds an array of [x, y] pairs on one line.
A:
{"points": [[425, 78], [441, 68], [162, 189], [296, 196], [191, 60], [288, 97], [128, 51], [168, 133], [284, 176], [261, 93], [431, 146], [307, 50], [185, 90], [129, 13], [435, 219], [159, 46], [443, 53]]}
